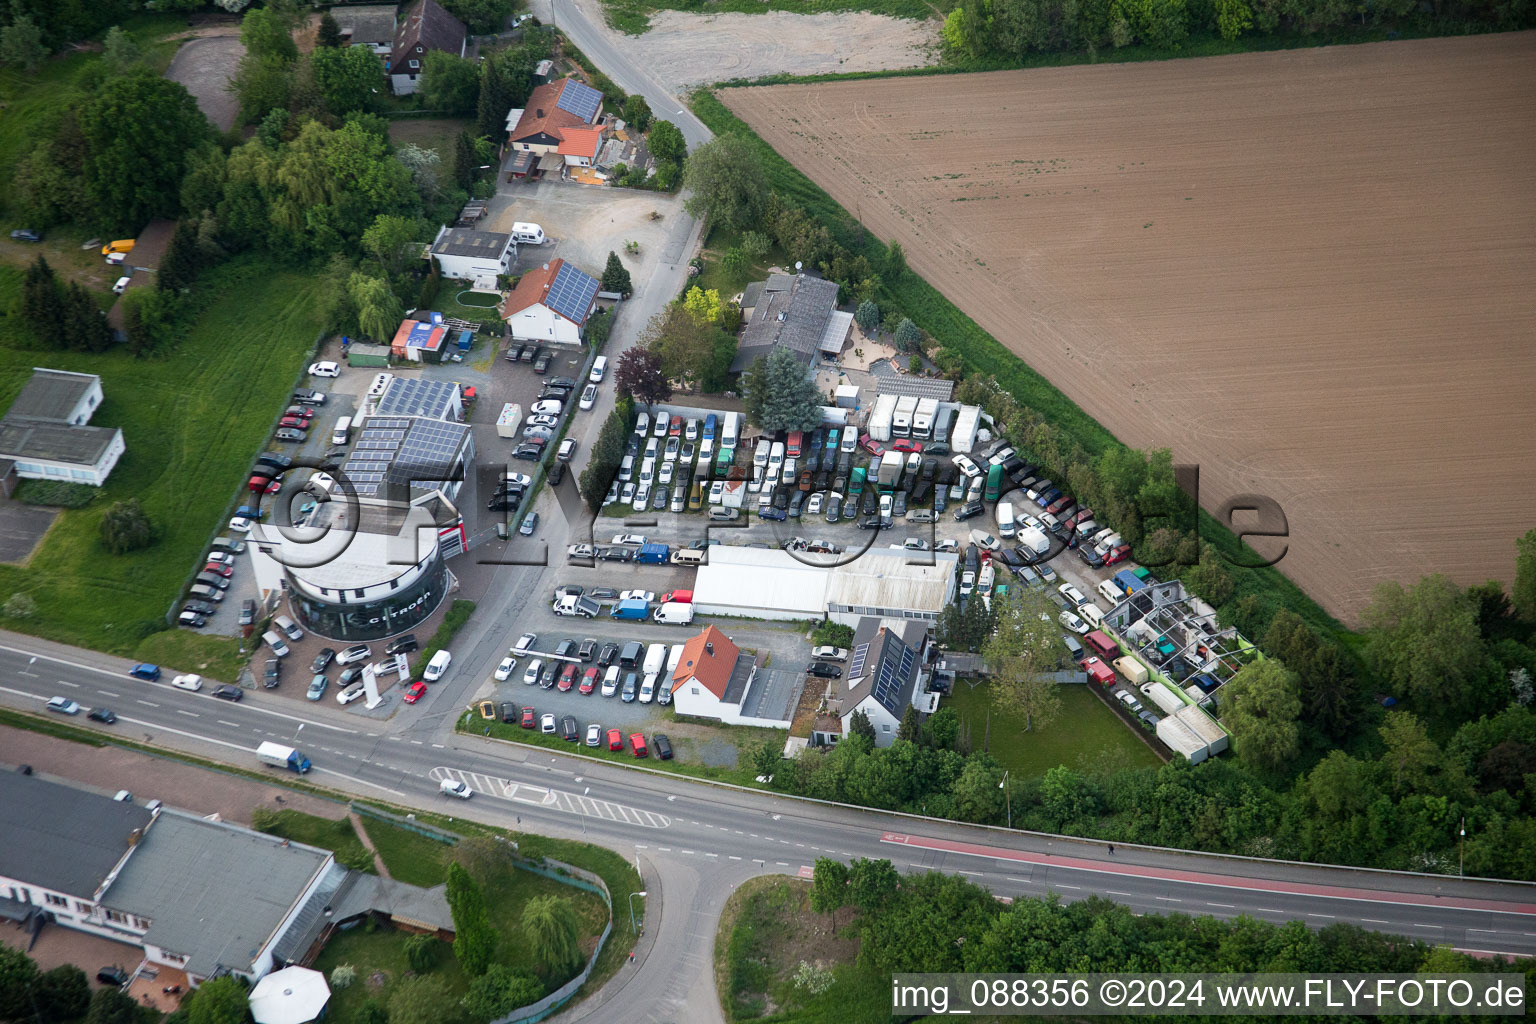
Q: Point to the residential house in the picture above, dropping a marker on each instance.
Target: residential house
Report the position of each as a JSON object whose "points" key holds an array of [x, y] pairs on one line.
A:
{"points": [[426, 26], [551, 304], [715, 679], [45, 434], [797, 312], [557, 127], [470, 255], [372, 26], [885, 676]]}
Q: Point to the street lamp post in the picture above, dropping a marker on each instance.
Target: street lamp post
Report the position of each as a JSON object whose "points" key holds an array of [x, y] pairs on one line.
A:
{"points": [[632, 926], [1461, 844], [1007, 795]]}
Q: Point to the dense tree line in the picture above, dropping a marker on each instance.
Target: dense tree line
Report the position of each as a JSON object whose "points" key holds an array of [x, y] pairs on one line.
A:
{"points": [[1016, 29], [934, 922]]}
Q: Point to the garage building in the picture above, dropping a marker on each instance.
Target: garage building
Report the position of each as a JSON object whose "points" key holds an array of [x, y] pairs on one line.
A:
{"points": [[770, 584]]}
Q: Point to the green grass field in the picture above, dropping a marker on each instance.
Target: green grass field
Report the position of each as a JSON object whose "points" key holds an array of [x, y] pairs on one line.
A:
{"points": [[334, 834], [192, 420], [1085, 731], [409, 856]]}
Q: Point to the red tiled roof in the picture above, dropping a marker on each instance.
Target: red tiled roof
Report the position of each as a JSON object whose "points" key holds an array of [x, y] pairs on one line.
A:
{"points": [[531, 288], [580, 142], [542, 116], [711, 665]]}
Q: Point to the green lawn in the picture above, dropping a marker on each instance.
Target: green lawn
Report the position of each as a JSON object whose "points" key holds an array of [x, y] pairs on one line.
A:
{"points": [[336, 835], [193, 420], [714, 274], [409, 856], [378, 953], [1083, 732]]}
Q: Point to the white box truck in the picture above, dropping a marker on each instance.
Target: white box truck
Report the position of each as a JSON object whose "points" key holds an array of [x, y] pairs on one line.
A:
{"points": [[880, 417], [510, 422], [279, 756], [901, 419], [922, 420], [674, 613], [1033, 538], [1163, 697], [963, 437], [1132, 669], [731, 431]]}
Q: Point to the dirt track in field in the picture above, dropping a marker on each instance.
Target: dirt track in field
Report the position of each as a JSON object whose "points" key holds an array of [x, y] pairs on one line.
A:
{"points": [[1313, 272]]}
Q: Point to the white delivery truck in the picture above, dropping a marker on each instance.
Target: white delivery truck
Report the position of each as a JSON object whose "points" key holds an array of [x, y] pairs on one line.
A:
{"points": [[1133, 670], [1034, 539], [963, 437], [655, 659], [674, 613], [279, 756], [880, 418], [901, 419], [922, 420]]}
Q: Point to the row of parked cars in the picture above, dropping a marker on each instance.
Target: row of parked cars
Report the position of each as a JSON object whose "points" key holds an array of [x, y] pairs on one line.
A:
{"points": [[570, 730]]}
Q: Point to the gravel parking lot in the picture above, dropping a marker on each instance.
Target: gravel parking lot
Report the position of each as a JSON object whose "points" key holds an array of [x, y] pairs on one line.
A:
{"points": [[205, 67]]}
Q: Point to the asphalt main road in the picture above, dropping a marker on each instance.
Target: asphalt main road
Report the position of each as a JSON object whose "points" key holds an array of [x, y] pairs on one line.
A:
{"points": [[688, 833]]}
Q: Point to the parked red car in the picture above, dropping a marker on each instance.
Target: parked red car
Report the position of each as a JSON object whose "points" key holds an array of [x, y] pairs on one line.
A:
{"points": [[295, 422], [905, 445], [588, 680], [415, 692], [274, 486], [637, 743], [1061, 504], [221, 569], [567, 678], [870, 446], [1117, 554], [792, 446], [259, 483], [615, 740], [528, 720]]}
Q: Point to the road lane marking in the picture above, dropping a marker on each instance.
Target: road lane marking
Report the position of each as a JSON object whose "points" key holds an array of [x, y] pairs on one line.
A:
{"points": [[1328, 916], [1012, 879], [1061, 886], [1229, 906], [221, 721], [108, 693], [66, 682], [146, 703], [1114, 893], [581, 804]]}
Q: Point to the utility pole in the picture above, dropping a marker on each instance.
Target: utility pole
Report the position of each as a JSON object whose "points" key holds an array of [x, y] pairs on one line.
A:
{"points": [[1008, 796], [1461, 849]]}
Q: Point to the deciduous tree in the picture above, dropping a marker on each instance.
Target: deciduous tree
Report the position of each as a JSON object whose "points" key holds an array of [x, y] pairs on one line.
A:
{"points": [[553, 932], [829, 887], [395, 241], [726, 178], [222, 1000], [348, 77], [126, 527], [178, 269], [84, 323], [138, 134], [639, 376], [1523, 595], [867, 316], [703, 305], [667, 143], [379, 312], [18, 972], [499, 991], [1024, 646], [265, 32], [449, 82], [637, 112], [1423, 641], [118, 50], [1260, 705], [21, 43], [110, 1006]]}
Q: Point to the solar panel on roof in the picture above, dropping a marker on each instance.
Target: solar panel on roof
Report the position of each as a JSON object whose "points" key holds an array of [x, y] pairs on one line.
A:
{"points": [[580, 99], [860, 653], [572, 293]]}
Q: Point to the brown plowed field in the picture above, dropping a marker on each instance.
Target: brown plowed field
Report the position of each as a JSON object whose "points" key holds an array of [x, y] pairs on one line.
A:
{"points": [[1313, 272]]}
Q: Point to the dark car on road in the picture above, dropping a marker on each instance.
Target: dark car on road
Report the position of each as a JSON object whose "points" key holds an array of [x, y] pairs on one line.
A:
{"points": [[402, 645], [145, 670], [508, 711], [322, 660], [568, 729], [541, 362], [227, 692], [112, 976], [970, 510], [608, 654], [663, 746], [527, 451], [102, 715], [824, 670]]}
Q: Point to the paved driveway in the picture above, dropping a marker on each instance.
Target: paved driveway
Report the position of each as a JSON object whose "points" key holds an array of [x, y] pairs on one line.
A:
{"points": [[21, 527]]}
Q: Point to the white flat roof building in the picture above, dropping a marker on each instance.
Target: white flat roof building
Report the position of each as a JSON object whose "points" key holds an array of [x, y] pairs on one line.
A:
{"points": [[772, 584]]}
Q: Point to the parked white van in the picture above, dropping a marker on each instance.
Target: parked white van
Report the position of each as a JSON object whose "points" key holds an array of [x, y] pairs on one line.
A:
{"points": [[343, 432], [1005, 523], [599, 367], [690, 556], [437, 666], [1110, 591]]}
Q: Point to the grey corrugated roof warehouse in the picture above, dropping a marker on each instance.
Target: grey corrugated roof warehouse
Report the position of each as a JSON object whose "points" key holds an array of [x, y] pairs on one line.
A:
{"points": [[790, 312], [227, 918], [52, 394], [61, 838], [55, 442]]}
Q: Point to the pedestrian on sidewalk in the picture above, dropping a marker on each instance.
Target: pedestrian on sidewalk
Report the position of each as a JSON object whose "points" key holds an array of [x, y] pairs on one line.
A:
{"points": [[1111, 849]]}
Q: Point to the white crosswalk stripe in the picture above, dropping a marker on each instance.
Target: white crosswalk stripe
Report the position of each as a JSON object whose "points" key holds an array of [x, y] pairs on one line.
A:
{"points": [[570, 803]]}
